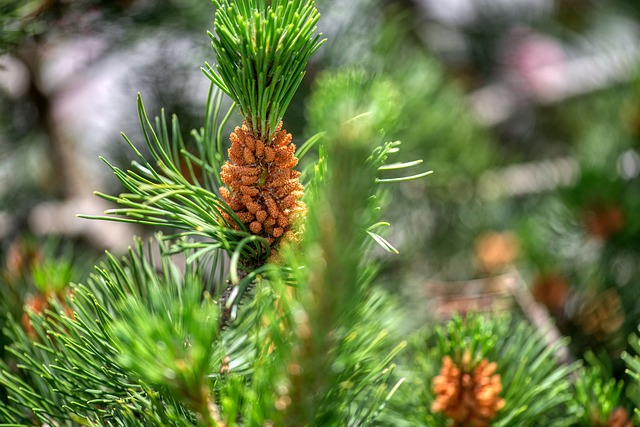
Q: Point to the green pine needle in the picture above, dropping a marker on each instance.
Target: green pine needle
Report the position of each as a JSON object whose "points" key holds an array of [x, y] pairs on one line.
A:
{"points": [[137, 322], [262, 51]]}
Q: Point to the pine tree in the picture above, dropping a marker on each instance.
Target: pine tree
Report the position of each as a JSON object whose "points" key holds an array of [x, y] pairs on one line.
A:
{"points": [[275, 318]]}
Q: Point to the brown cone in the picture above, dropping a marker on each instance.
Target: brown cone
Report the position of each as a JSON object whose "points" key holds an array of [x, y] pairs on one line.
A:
{"points": [[494, 251], [469, 396], [619, 418], [602, 314], [39, 303], [551, 290], [603, 221], [262, 186]]}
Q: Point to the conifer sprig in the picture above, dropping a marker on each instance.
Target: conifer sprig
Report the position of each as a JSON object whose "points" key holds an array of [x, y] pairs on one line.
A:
{"points": [[139, 347], [599, 397], [521, 356], [178, 189], [631, 358], [262, 48]]}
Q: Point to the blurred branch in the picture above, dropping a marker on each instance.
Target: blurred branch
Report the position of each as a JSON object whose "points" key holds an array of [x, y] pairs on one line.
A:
{"points": [[494, 295], [554, 84], [528, 178], [546, 175]]}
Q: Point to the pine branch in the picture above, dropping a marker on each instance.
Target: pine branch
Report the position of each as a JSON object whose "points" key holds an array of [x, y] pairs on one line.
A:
{"points": [[96, 355], [598, 396], [485, 361], [363, 107], [162, 194]]}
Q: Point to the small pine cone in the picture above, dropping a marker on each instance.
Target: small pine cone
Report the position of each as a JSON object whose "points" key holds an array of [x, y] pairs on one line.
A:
{"points": [[290, 163], [20, 259], [283, 156], [261, 186], [226, 217], [224, 366], [289, 201], [283, 221], [619, 418], [255, 227], [272, 207], [248, 179], [253, 207], [494, 251], [281, 138], [38, 304], [261, 215], [250, 142], [259, 148], [235, 153], [468, 396], [602, 314], [236, 136], [235, 204], [269, 154], [603, 221], [225, 194], [551, 290], [278, 179], [248, 156], [245, 217], [250, 191]]}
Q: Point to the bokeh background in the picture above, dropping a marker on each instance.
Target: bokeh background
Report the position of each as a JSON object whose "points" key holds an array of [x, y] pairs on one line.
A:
{"points": [[527, 111]]}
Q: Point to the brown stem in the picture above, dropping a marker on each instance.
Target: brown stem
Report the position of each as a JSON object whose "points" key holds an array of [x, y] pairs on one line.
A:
{"points": [[69, 177], [208, 412], [225, 312]]}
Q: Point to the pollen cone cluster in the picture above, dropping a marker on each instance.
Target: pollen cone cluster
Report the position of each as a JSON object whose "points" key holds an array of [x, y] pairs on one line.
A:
{"points": [[468, 396], [262, 188], [619, 418]]}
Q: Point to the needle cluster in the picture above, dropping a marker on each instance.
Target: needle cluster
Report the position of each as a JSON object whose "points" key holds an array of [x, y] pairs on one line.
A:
{"points": [[262, 49]]}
